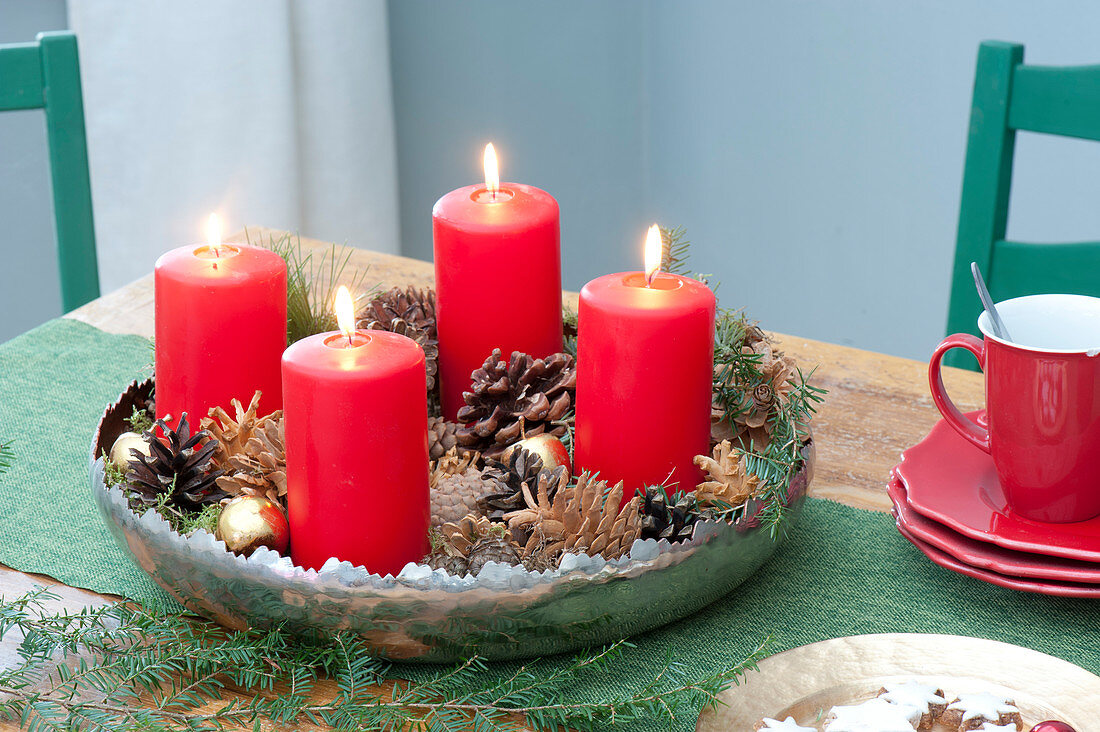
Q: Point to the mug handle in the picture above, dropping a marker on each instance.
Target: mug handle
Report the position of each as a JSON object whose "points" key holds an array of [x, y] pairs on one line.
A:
{"points": [[974, 433]]}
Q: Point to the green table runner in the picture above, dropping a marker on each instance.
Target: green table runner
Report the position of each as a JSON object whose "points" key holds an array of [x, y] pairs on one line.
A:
{"points": [[842, 572]]}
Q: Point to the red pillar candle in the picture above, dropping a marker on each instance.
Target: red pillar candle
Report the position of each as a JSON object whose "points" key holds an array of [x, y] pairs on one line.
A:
{"points": [[497, 278], [356, 448], [645, 358], [220, 324]]}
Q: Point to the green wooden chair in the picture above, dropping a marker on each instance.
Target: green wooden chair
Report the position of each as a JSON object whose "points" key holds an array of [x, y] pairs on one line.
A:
{"points": [[46, 75], [1009, 96]]}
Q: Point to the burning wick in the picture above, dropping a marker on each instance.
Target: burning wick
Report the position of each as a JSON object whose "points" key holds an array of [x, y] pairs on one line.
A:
{"points": [[652, 253], [214, 234], [492, 176], [345, 314]]}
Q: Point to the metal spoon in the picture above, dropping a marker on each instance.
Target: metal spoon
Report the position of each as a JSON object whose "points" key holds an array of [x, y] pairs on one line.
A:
{"points": [[999, 328]]}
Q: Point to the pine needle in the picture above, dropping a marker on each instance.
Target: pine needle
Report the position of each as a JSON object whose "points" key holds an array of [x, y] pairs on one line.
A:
{"points": [[776, 464], [312, 282], [7, 455], [143, 668]]}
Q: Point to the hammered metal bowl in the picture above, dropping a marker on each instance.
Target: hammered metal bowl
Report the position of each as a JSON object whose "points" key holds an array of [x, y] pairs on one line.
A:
{"points": [[504, 612]]}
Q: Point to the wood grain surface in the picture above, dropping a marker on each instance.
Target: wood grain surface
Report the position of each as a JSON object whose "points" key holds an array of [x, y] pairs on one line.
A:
{"points": [[876, 407]]}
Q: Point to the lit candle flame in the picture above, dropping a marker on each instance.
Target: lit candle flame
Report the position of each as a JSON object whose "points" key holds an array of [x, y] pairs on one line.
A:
{"points": [[214, 232], [345, 312], [492, 176], [652, 253]]}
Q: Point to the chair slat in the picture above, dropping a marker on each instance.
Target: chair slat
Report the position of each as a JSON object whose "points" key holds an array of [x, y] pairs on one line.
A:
{"points": [[20, 77], [1027, 268], [1058, 101]]}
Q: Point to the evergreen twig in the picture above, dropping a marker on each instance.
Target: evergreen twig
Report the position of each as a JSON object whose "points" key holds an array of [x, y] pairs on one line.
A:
{"points": [[192, 675], [675, 251], [311, 284], [777, 463], [7, 455]]}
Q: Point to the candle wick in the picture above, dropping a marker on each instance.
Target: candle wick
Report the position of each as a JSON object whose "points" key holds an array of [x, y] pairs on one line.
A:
{"points": [[350, 344]]}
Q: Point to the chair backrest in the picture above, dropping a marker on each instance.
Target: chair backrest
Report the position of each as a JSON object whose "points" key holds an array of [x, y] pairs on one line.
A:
{"points": [[1009, 96], [46, 75]]}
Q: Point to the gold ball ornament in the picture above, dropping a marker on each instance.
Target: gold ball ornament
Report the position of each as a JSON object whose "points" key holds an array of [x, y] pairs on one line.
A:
{"points": [[249, 522], [120, 455]]}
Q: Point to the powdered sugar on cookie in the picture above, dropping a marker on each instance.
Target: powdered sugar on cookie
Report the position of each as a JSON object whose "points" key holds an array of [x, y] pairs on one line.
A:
{"points": [[787, 725], [876, 715]]}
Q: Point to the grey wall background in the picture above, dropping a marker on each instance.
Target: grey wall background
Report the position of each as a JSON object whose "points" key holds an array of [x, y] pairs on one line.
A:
{"points": [[29, 291], [812, 150]]}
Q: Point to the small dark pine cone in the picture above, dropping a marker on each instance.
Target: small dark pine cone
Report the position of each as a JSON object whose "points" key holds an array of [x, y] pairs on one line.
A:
{"points": [[668, 518], [518, 398], [182, 468], [505, 481]]}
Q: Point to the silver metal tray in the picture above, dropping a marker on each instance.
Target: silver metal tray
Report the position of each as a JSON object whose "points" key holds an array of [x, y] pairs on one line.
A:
{"points": [[504, 612]]}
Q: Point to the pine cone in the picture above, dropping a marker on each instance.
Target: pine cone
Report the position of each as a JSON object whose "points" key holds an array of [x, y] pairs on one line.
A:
{"points": [[508, 480], [492, 548], [752, 425], [455, 565], [514, 399], [441, 437], [231, 434], [665, 518], [456, 483], [475, 541], [412, 305], [580, 518], [259, 469], [181, 468], [730, 482]]}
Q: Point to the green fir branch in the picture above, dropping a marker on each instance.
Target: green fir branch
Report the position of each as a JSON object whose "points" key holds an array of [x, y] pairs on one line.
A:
{"points": [[737, 373], [312, 282], [192, 675], [675, 251], [7, 455]]}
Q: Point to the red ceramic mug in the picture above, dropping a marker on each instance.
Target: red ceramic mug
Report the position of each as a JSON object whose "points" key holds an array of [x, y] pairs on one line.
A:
{"points": [[1042, 395]]}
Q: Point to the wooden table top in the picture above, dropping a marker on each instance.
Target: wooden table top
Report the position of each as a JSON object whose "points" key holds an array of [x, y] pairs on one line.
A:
{"points": [[876, 407]]}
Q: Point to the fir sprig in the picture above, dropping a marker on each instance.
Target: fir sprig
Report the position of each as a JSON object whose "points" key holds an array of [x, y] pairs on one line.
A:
{"points": [[7, 455], [736, 374], [675, 251], [192, 675], [311, 284]]}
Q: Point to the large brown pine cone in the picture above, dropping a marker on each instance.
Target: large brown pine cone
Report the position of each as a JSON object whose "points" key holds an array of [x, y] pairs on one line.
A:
{"points": [[583, 517], [513, 399]]}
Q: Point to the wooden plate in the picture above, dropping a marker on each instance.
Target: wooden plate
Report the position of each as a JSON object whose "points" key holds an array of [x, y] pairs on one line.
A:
{"points": [[806, 682]]}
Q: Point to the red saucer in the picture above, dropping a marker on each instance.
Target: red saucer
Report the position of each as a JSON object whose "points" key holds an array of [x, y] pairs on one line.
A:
{"points": [[982, 555], [954, 483], [1059, 589]]}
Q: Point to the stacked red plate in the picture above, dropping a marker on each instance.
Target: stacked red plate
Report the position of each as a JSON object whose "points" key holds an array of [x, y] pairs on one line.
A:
{"points": [[949, 504]]}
